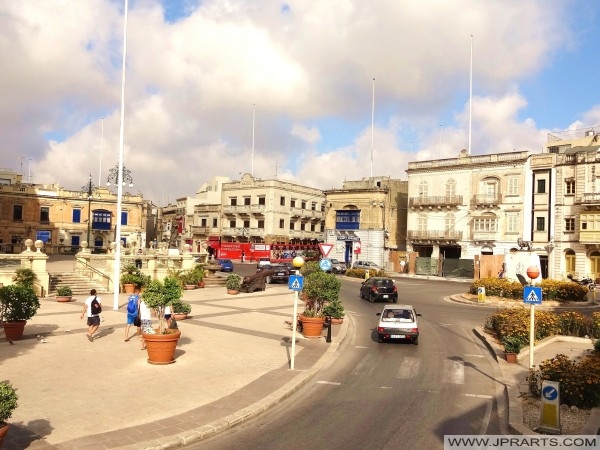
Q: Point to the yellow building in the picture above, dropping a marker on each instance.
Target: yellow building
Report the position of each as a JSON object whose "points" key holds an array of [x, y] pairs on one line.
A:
{"points": [[63, 219]]}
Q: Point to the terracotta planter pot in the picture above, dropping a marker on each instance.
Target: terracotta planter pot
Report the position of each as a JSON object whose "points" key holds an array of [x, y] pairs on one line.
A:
{"points": [[180, 316], [511, 357], [63, 298], [14, 330], [3, 431], [189, 287], [312, 327], [161, 347], [200, 284], [232, 292], [335, 321], [129, 288]]}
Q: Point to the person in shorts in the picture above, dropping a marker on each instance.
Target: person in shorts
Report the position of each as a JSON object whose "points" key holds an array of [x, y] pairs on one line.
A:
{"points": [[93, 320]]}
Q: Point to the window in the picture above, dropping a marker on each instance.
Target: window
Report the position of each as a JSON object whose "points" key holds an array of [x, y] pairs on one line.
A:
{"points": [[291, 225], [485, 224], [314, 206], [246, 224], [303, 204], [203, 222], [45, 214], [423, 189], [589, 222], [101, 220], [124, 216], [247, 201], [540, 223], [570, 224], [347, 219], [303, 226], [232, 224], [281, 223], [512, 223], [570, 187], [313, 227], [450, 188], [449, 222], [513, 186], [282, 201], [215, 222], [570, 261], [261, 201], [76, 216], [17, 212], [541, 186], [261, 223], [293, 203], [233, 201], [422, 223]]}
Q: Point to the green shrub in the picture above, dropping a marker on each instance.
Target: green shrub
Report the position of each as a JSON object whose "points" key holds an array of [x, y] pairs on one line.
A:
{"points": [[319, 289], [8, 401], [64, 291], [561, 291], [574, 324], [310, 267], [513, 344], [360, 273]]}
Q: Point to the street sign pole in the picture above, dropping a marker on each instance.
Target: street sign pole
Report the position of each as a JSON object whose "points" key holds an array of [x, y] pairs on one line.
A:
{"points": [[531, 333], [294, 326]]}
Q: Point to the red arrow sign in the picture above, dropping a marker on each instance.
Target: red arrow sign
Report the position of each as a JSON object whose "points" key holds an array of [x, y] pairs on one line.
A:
{"points": [[325, 249]]}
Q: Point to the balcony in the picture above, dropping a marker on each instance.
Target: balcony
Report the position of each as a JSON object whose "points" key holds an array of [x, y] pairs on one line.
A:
{"points": [[438, 201], [434, 235], [589, 199], [486, 200]]}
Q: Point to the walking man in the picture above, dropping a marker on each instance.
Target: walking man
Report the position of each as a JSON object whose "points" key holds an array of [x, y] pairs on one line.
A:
{"points": [[93, 317]]}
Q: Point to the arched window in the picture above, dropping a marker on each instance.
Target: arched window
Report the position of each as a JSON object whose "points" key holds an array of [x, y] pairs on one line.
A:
{"points": [[570, 261], [423, 189], [450, 188], [449, 222]]}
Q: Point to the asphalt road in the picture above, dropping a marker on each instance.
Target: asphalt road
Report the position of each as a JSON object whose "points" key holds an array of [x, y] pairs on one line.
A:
{"points": [[391, 395]]}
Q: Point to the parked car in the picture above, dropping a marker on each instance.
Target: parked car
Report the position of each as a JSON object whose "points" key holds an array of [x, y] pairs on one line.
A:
{"points": [[262, 262], [226, 265], [279, 273], [398, 322], [366, 265], [338, 266], [379, 288]]}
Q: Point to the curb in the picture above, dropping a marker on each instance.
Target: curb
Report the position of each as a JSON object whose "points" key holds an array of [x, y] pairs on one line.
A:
{"points": [[249, 412]]}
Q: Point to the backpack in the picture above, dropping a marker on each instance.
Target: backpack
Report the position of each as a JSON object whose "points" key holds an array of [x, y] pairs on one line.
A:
{"points": [[132, 305], [96, 308]]}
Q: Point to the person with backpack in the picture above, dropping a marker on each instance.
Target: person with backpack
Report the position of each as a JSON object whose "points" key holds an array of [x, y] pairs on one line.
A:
{"points": [[92, 308], [133, 311]]}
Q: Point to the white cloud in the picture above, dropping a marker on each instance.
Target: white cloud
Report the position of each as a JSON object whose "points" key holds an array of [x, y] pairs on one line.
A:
{"points": [[310, 135]]}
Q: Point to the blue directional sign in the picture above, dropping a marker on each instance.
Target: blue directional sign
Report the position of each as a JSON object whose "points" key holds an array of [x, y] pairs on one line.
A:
{"points": [[325, 264], [549, 392], [296, 282], [532, 295]]}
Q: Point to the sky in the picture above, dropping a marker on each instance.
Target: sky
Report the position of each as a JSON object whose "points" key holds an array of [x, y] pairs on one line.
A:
{"points": [[311, 92]]}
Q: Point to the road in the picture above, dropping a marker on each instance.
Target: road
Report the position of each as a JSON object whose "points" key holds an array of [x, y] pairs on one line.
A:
{"points": [[391, 395]]}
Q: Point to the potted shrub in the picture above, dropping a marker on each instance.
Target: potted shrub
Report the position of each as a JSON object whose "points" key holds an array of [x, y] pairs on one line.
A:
{"points": [[161, 343], [512, 347], [233, 283], [335, 310], [189, 280], [180, 309], [64, 293], [24, 276], [198, 270], [319, 289], [8, 403], [18, 304], [131, 277]]}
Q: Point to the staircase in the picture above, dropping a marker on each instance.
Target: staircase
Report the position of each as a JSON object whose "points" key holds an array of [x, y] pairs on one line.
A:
{"points": [[79, 284]]}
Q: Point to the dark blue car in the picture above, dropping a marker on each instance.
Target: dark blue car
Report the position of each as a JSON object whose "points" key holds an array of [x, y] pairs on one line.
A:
{"points": [[226, 265]]}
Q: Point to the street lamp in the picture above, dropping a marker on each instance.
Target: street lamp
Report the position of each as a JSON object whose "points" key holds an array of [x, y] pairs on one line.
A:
{"points": [[88, 189], [113, 177]]}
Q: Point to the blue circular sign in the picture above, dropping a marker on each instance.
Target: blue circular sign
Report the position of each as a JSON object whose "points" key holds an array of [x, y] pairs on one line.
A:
{"points": [[550, 393], [325, 265]]}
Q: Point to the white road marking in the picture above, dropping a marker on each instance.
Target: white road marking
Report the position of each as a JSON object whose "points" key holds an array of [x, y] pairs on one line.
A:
{"points": [[489, 397], [476, 356], [329, 382], [454, 372], [360, 346], [444, 324], [409, 367]]}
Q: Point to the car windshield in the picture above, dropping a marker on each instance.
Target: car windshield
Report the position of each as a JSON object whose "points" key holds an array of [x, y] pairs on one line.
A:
{"points": [[398, 315], [384, 283]]}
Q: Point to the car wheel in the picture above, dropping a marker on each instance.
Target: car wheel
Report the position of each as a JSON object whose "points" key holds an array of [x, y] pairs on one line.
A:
{"points": [[371, 298], [379, 339], [269, 281], [360, 294], [416, 341], [396, 300]]}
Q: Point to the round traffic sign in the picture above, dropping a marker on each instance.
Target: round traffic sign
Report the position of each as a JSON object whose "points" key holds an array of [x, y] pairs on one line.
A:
{"points": [[325, 265], [550, 393]]}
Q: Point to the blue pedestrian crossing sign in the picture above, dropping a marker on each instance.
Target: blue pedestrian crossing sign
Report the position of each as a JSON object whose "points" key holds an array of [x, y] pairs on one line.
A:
{"points": [[532, 295], [296, 282]]}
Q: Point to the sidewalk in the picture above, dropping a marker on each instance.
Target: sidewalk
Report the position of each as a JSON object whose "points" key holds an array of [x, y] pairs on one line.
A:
{"points": [[232, 362]]}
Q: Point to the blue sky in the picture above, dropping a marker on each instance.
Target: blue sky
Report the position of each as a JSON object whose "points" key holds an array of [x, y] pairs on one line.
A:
{"points": [[196, 69]]}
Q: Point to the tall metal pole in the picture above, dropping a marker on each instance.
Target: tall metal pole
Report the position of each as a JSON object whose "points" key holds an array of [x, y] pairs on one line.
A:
{"points": [[120, 187], [89, 193], [372, 125], [253, 117], [470, 96]]}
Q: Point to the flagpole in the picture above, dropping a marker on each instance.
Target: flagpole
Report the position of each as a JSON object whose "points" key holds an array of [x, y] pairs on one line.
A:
{"points": [[120, 177], [372, 125], [101, 142], [253, 119], [470, 96]]}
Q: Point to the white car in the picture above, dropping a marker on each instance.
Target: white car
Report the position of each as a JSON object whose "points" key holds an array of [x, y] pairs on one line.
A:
{"points": [[263, 262], [398, 322], [366, 265]]}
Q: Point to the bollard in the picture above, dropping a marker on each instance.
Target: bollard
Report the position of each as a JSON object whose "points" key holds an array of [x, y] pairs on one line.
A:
{"points": [[328, 323]]}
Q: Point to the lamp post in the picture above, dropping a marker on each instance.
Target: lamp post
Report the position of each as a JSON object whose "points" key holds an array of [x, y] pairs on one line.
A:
{"points": [[88, 190], [113, 177]]}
